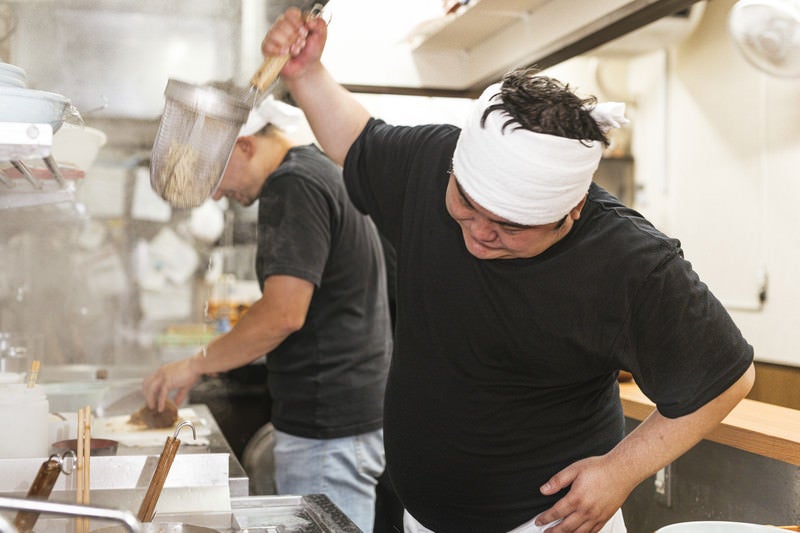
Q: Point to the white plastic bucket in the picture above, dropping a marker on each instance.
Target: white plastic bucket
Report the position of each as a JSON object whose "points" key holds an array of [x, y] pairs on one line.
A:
{"points": [[24, 417]]}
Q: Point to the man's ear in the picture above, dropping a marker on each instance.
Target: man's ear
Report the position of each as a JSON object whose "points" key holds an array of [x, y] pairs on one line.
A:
{"points": [[246, 145], [575, 212]]}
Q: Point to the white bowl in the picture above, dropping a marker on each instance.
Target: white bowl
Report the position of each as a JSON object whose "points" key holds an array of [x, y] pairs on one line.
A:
{"points": [[12, 71], [77, 146], [31, 106], [713, 526], [72, 396], [7, 80]]}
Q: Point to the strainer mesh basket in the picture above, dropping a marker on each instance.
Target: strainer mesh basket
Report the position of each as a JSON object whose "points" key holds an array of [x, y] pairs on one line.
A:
{"points": [[195, 138]]}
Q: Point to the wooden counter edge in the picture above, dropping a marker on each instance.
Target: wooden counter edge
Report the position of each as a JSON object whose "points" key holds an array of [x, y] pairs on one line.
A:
{"points": [[756, 427]]}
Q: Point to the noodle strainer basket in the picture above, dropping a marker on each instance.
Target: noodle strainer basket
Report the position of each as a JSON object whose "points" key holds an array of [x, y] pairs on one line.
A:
{"points": [[194, 140], [198, 130]]}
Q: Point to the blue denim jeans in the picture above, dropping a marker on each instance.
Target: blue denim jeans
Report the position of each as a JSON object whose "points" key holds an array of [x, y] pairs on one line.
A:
{"points": [[345, 469]]}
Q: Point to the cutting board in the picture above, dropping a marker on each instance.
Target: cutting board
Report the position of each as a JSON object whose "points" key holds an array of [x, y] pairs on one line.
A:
{"points": [[118, 428]]}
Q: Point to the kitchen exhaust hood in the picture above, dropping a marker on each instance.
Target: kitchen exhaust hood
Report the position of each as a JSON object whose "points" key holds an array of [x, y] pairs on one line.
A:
{"points": [[460, 54], [115, 56]]}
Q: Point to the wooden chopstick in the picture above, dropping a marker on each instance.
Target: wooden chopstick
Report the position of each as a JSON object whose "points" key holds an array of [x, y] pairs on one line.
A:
{"points": [[84, 449], [79, 470], [33, 376]]}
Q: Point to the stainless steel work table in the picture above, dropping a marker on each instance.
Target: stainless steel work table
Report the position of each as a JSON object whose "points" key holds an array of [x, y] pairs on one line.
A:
{"points": [[239, 480]]}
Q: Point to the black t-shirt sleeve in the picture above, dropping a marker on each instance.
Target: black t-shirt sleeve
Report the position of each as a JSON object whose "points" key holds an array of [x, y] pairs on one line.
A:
{"points": [[384, 162], [295, 229], [681, 343]]}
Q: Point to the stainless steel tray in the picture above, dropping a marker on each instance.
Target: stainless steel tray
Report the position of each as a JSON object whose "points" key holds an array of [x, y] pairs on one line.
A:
{"points": [[254, 514], [313, 513]]}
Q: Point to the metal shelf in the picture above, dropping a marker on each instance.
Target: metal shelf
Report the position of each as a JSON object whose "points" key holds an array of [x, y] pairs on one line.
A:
{"points": [[30, 176]]}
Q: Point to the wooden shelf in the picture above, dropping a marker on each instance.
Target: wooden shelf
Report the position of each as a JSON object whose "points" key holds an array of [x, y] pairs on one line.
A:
{"points": [[756, 427]]}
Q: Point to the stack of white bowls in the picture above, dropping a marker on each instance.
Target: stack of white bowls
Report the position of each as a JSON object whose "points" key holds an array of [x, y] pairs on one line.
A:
{"points": [[12, 76], [18, 103]]}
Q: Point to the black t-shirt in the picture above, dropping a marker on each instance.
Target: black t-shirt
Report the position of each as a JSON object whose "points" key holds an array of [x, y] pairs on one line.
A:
{"points": [[505, 370], [326, 380]]}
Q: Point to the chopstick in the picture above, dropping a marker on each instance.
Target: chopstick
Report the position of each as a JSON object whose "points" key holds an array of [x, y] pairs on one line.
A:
{"points": [[84, 445], [34, 373]]}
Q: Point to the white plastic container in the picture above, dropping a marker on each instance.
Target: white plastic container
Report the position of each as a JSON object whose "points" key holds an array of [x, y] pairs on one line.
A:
{"points": [[10, 377], [24, 417], [77, 146], [712, 526]]}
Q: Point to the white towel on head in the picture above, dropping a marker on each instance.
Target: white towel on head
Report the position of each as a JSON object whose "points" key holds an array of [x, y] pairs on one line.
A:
{"points": [[285, 117], [526, 177]]}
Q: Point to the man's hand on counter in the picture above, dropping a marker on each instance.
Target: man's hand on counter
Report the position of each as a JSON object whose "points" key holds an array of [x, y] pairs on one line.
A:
{"points": [[180, 376]]}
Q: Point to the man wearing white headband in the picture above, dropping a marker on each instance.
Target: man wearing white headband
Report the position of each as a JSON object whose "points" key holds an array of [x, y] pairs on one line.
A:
{"points": [[522, 290], [322, 320]]}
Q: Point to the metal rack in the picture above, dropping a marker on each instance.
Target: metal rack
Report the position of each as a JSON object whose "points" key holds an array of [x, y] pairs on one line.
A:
{"points": [[21, 183]]}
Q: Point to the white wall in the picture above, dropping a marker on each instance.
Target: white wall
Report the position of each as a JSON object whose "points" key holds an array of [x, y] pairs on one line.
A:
{"points": [[716, 145], [717, 151], [717, 155]]}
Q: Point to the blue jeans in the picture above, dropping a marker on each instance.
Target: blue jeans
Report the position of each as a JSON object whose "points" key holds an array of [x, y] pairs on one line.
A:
{"points": [[345, 469]]}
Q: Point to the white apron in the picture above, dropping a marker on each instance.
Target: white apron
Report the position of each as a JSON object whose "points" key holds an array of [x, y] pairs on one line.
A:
{"points": [[615, 525]]}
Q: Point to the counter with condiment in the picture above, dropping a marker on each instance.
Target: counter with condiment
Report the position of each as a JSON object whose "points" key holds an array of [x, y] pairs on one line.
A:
{"points": [[756, 427], [745, 470]]}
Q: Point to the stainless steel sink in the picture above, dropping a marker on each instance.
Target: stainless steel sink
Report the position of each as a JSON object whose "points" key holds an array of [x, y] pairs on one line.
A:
{"points": [[313, 513], [254, 514]]}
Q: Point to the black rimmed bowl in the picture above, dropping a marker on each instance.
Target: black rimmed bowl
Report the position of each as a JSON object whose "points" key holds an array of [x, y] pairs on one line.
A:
{"points": [[97, 446]]}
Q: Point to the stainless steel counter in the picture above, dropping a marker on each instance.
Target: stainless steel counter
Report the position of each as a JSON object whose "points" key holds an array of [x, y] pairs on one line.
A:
{"points": [[239, 481], [124, 396], [277, 514]]}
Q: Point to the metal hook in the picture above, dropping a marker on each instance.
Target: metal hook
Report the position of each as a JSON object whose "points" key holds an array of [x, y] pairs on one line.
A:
{"points": [[180, 426], [317, 11], [61, 462]]}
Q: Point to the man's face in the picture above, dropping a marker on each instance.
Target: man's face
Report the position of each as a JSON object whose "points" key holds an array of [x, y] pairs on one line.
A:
{"points": [[236, 184], [488, 236]]}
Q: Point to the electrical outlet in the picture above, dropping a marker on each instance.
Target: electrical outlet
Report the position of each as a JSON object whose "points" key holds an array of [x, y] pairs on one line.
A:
{"points": [[663, 486]]}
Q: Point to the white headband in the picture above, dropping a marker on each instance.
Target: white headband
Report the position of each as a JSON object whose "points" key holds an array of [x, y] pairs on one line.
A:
{"points": [[526, 177], [270, 111]]}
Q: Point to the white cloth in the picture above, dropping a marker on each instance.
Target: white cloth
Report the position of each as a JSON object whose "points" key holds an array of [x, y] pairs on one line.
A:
{"points": [[285, 117], [615, 525], [526, 177]]}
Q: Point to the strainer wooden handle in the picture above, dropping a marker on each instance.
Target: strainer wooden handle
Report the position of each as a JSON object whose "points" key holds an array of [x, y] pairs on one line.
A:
{"points": [[268, 71], [40, 489], [147, 509], [272, 65]]}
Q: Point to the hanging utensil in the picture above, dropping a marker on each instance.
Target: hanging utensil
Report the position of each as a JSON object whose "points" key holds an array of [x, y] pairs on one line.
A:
{"points": [[198, 130], [147, 510], [40, 489]]}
